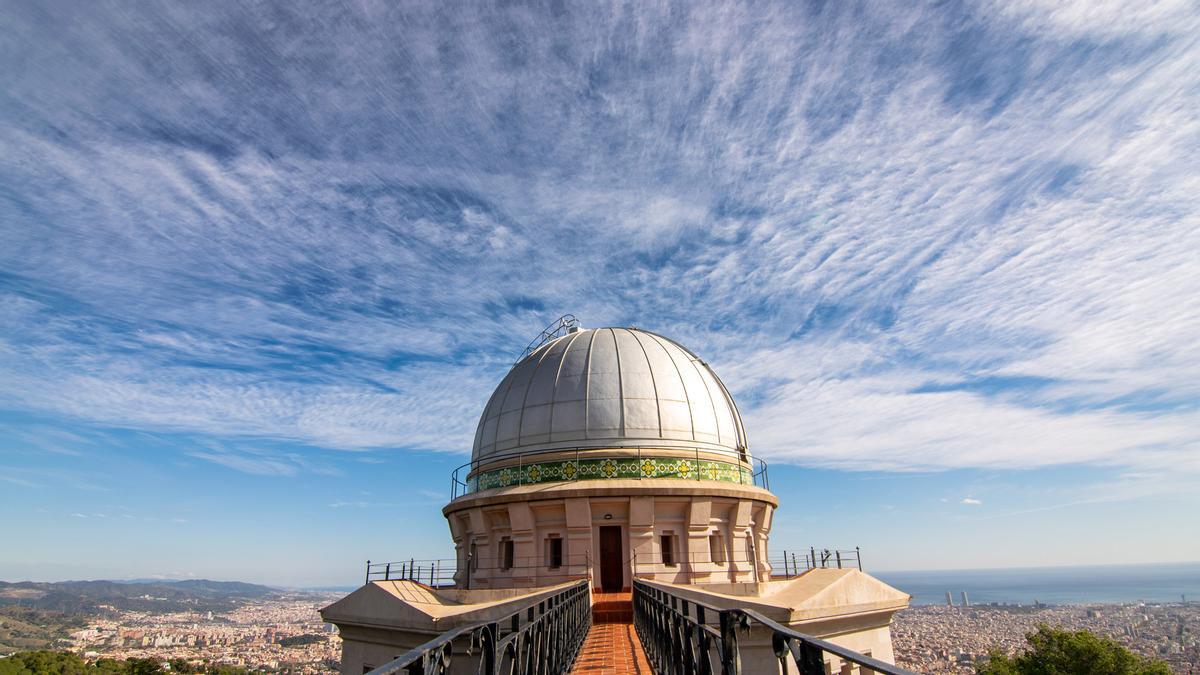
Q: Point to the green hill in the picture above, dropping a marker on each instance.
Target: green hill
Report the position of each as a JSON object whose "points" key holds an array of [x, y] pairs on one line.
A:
{"points": [[25, 628], [74, 597]]}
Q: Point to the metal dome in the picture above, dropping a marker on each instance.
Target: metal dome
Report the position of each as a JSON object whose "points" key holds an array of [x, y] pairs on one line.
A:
{"points": [[609, 388]]}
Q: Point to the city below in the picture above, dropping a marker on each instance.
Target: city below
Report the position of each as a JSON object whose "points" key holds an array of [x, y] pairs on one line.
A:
{"points": [[283, 634], [269, 630]]}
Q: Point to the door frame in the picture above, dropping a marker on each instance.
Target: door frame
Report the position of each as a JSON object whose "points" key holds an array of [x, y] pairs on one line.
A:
{"points": [[617, 561]]}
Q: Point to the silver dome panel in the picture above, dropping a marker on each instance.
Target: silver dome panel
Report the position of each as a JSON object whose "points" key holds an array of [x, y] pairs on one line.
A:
{"points": [[612, 388]]}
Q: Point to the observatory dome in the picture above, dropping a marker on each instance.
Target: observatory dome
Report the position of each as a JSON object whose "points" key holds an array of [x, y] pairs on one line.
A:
{"points": [[609, 388]]}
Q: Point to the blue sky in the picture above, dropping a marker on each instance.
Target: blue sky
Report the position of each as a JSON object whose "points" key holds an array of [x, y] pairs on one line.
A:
{"points": [[260, 267]]}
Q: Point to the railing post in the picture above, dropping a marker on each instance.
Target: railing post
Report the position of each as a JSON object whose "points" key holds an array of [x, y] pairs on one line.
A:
{"points": [[491, 636], [812, 661], [387, 572], [858, 555], [368, 579], [731, 659], [839, 558]]}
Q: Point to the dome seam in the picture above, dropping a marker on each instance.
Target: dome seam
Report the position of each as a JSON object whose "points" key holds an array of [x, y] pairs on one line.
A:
{"points": [[620, 384], [528, 387], [500, 413], [653, 380], [587, 386], [739, 432], [682, 385], [711, 400], [554, 389]]}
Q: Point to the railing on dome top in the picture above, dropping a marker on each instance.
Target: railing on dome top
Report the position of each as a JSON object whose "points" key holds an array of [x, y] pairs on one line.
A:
{"points": [[542, 637], [683, 635], [701, 466], [558, 327]]}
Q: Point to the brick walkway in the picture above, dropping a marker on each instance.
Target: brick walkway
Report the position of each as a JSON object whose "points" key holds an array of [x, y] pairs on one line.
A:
{"points": [[612, 646]]}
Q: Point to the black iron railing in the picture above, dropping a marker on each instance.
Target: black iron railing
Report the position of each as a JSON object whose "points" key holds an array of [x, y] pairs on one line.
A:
{"points": [[795, 563], [543, 637], [441, 572], [681, 635], [544, 570]]}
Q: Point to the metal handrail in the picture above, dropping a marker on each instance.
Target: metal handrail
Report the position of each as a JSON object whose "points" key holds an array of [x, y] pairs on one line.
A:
{"points": [[682, 635], [439, 572], [789, 564], [542, 637], [558, 327], [462, 486]]}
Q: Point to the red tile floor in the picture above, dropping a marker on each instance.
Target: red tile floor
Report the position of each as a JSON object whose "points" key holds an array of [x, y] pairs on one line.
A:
{"points": [[612, 646]]}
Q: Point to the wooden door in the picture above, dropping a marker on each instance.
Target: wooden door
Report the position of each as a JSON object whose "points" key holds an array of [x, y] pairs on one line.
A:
{"points": [[612, 571]]}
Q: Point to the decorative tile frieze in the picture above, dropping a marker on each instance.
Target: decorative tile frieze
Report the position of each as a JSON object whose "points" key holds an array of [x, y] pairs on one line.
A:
{"points": [[609, 468]]}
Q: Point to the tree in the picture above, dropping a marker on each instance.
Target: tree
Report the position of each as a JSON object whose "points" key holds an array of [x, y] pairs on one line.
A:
{"points": [[1060, 652], [43, 662], [65, 663], [143, 666]]}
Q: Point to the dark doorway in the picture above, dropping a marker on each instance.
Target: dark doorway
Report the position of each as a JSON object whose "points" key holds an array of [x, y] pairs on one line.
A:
{"points": [[612, 572]]}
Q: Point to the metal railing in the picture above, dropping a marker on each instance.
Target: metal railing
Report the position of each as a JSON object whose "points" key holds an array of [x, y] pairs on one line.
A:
{"points": [[464, 479], [434, 572], [795, 563], [444, 572], [681, 635], [541, 638], [557, 328]]}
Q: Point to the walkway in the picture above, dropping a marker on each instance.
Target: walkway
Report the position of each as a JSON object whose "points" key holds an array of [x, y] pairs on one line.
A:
{"points": [[612, 646]]}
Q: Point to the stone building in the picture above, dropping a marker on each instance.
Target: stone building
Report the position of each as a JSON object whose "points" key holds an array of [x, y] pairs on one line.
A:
{"points": [[611, 454]]}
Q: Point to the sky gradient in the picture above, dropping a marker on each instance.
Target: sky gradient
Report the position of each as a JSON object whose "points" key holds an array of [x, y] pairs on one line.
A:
{"points": [[261, 267]]}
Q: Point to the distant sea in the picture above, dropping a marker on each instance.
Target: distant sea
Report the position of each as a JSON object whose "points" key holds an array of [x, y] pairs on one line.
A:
{"points": [[1053, 585]]}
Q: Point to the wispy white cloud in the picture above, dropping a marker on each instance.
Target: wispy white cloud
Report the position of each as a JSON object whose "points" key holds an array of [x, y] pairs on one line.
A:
{"points": [[971, 501], [910, 238], [260, 461]]}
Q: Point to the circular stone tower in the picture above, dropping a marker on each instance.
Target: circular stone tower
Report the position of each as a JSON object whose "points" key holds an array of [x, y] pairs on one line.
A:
{"points": [[607, 453]]}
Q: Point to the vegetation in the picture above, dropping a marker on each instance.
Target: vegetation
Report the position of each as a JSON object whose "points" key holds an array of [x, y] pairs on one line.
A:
{"points": [[301, 640], [39, 662], [1060, 652], [65, 663], [91, 597], [25, 628]]}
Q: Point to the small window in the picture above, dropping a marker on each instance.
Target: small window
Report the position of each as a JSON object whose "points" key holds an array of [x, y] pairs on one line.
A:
{"points": [[716, 548], [474, 557], [554, 552], [668, 549], [506, 554]]}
